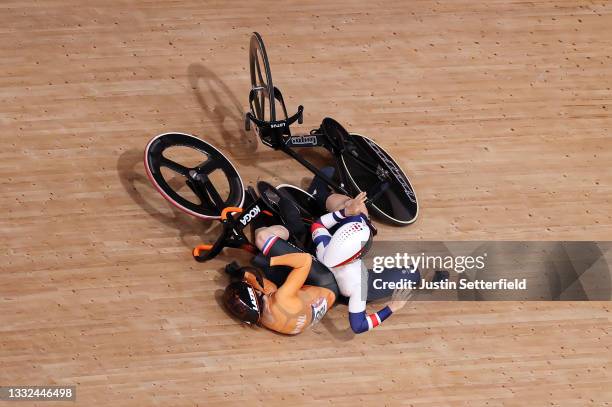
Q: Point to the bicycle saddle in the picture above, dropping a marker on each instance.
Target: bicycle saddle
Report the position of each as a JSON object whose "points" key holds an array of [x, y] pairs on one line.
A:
{"points": [[335, 133]]}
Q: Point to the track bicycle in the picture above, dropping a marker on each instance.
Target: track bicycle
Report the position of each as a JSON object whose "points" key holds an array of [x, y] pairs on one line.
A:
{"points": [[210, 186]]}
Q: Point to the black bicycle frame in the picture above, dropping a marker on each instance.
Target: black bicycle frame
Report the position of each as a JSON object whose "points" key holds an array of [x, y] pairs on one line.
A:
{"points": [[286, 148], [234, 220], [277, 135]]}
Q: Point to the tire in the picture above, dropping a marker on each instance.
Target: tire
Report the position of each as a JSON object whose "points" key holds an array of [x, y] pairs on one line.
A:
{"points": [[261, 80], [211, 199]]}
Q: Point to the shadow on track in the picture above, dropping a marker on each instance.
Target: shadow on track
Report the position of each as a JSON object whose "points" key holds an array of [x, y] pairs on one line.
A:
{"points": [[222, 108], [132, 175]]}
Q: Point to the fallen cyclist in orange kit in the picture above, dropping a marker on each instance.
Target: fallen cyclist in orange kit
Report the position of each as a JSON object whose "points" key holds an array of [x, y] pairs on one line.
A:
{"points": [[288, 309]]}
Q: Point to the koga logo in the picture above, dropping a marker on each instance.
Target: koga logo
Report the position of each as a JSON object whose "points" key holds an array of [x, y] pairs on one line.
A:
{"points": [[304, 140], [277, 125], [250, 216]]}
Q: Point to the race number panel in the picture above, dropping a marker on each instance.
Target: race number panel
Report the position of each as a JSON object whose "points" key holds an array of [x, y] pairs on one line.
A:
{"points": [[398, 202], [193, 175]]}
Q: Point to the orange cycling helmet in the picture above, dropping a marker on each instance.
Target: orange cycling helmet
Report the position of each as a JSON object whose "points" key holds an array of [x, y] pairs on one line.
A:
{"points": [[243, 301]]}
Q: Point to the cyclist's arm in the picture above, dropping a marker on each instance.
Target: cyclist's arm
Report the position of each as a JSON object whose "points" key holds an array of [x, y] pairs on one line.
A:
{"points": [[269, 286], [360, 322], [320, 230], [331, 219], [300, 262]]}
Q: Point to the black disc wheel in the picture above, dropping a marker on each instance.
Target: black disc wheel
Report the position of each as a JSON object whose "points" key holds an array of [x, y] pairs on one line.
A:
{"points": [[370, 168], [261, 81], [193, 175]]}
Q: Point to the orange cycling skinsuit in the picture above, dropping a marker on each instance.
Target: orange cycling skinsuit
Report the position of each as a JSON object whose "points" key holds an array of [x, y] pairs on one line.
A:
{"points": [[288, 309]]}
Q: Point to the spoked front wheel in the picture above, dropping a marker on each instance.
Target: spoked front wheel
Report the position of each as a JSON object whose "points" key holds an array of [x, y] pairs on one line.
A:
{"points": [[193, 175], [262, 89]]}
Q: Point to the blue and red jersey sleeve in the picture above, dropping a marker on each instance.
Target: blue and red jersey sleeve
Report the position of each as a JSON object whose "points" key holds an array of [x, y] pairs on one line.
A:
{"points": [[360, 322], [320, 230]]}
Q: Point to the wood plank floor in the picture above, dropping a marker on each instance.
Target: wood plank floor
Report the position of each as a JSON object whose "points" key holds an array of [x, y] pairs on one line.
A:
{"points": [[500, 112]]}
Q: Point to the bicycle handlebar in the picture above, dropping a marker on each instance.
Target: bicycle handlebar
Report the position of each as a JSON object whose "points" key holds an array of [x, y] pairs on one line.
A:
{"points": [[230, 209], [274, 124]]}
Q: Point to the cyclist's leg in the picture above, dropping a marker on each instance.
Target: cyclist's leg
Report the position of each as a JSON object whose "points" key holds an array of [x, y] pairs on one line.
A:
{"points": [[319, 275], [326, 199], [318, 187], [263, 235], [291, 216], [335, 202]]}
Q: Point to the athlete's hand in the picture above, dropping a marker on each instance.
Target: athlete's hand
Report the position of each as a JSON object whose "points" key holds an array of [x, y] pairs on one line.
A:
{"points": [[400, 298], [356, 205]]}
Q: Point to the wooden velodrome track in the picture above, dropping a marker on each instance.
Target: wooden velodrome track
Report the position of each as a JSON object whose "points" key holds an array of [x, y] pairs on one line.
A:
{"points": [[499, 111]]}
